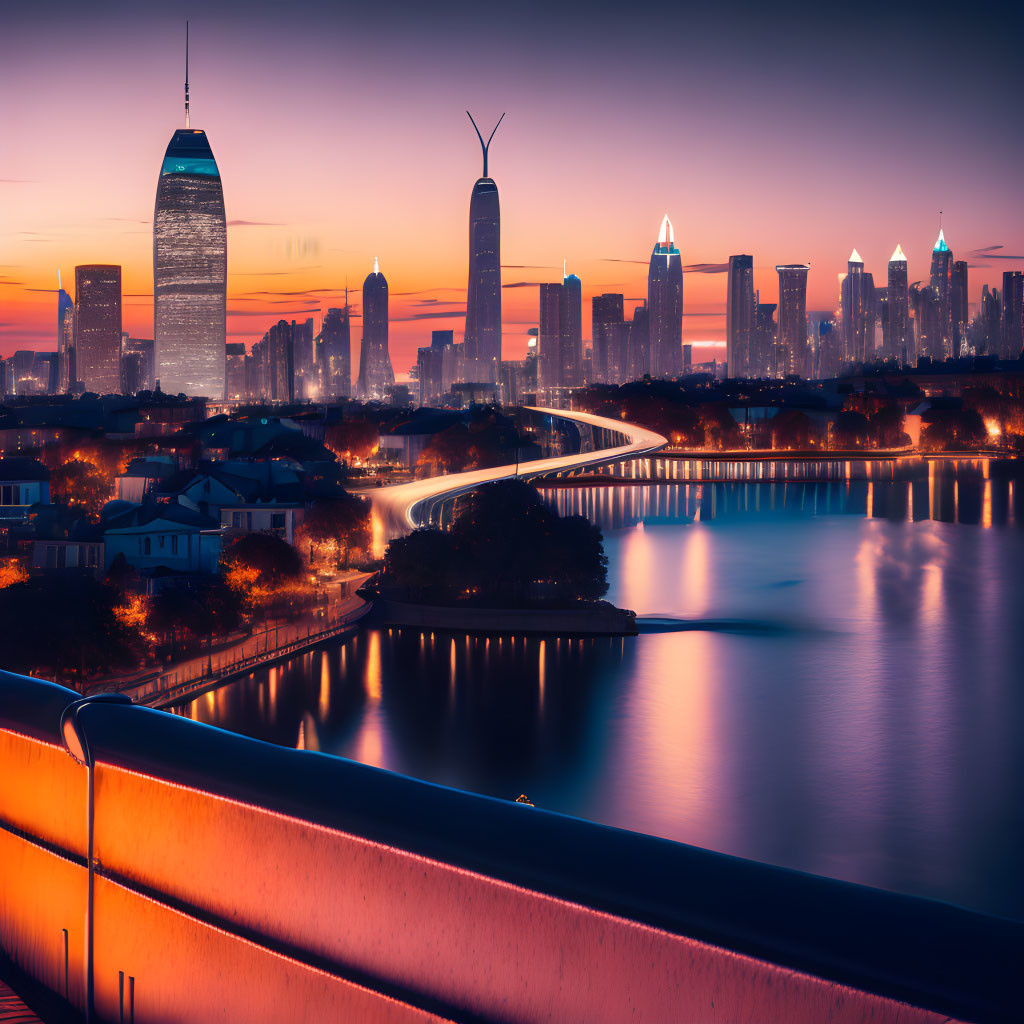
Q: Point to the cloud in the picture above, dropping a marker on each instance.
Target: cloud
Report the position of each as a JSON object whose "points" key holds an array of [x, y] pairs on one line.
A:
{"points": [[527, 266], [430, 291], [10, 283], [607, 259], [300, 292], [126, 220], [525, 284], [272, 273], [706, 268], [19, 181], [267, 315], [988, 252], [435, 315], [254, 224]]}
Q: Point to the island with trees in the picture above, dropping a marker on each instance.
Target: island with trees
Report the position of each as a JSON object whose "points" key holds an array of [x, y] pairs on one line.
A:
{"points": [[508, 564]]}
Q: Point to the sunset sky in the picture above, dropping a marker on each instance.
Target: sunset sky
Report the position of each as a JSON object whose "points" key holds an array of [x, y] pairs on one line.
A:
{"points": [[788, 131]]}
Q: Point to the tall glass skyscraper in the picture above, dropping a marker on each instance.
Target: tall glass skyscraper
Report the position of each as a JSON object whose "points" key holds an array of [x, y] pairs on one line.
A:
{"points": [[65, 339], [98, 328], [791, 333], [190, 248], [483, 301], [941, 282], [376, 374], [665, 303], [901, 337], [739, 317]]}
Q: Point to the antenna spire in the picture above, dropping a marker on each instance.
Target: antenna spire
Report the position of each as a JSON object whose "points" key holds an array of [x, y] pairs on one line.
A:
{"points": [[186, 75], [60, 287], [485, 146]]}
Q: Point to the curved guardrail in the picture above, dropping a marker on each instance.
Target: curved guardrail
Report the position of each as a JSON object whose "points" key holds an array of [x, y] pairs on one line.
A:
{"points": [[225, 878]]}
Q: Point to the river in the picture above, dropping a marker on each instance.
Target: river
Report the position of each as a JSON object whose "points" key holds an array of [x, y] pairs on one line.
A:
{"points": [[854, 706]]}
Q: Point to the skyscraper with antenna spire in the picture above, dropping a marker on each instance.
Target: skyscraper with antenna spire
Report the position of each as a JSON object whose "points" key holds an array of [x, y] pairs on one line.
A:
{"points": [[483, 300], [65, 339], [190, 265]]}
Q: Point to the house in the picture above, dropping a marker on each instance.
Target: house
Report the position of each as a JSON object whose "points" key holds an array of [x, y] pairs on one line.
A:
{"points": [[161, 536], [277, 518], [23, 483], [143, 475]]}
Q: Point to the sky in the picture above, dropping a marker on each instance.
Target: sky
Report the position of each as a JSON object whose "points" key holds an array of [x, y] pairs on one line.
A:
{"points": [[792, 131]]}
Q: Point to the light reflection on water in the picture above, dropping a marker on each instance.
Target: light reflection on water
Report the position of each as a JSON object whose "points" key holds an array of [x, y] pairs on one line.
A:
{"points": [[861, 719]]}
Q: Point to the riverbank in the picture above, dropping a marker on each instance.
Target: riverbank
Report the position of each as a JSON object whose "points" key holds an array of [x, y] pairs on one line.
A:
{"points": [[597, 619]]}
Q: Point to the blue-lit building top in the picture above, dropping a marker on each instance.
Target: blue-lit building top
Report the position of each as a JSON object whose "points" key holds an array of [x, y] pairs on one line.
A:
{"points": [[189, 153]]}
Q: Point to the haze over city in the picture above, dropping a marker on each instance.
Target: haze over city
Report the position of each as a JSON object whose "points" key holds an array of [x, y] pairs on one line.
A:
{"points": [[341, 137]]}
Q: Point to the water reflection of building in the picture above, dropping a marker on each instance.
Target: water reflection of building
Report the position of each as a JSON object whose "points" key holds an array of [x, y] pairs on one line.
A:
{"points": [[968, 491]]}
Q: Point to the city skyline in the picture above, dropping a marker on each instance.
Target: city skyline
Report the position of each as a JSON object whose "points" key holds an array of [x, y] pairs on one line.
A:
{"points": [[291, 249]]}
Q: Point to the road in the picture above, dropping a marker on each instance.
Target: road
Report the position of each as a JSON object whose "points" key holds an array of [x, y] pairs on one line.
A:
{"points": [[395, 508]]}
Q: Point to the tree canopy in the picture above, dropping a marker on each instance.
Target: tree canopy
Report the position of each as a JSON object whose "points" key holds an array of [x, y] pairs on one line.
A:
{"points": [[505, 547]]}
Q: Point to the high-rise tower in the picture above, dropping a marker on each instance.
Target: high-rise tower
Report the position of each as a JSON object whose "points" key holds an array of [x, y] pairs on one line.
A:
{"points": [[65, 339], [375, 370], [665, 304], [791, 334], [549, 339], [335, 352], [941, 282], [958, 306], [190, 247], [901, 338], [1012, 341], [98, 328], [609, 356], [570, 326], [858, 305], [483, 300], [739, 317]]}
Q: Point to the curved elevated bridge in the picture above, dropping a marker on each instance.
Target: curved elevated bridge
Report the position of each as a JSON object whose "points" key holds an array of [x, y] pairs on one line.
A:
{"points": [[404, 507]]}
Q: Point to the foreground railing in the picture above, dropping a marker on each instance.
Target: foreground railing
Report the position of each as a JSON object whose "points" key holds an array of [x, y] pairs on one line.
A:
{"points": [[155, 869]]}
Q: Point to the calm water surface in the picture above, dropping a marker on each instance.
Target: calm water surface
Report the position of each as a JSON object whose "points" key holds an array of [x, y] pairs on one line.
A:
{"points": [[858, 714]]}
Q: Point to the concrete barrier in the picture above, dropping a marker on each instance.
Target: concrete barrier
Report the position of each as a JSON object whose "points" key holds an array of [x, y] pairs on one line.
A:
{"points": [[237, 881]]}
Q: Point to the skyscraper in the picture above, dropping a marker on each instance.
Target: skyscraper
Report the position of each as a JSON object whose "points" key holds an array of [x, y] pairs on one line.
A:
{"points": [[941, 282], [857, 293], [665, 305], [638, 345], [991, 319], [65, 339], [1013, 314], [98, 328], [739, 316], [791, 334], [190, 247], [763, 355], [901, 340], [570, 327], [336, 353], [483, 299], [549, 338], [606, 313], [375, 371], [958, 307]]}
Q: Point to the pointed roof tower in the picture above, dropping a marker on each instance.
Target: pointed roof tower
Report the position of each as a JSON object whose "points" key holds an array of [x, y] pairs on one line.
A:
{"points": [[855, 257], [940, 244], [899, 256]]}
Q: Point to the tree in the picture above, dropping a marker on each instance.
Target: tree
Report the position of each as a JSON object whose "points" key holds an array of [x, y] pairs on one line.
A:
{"points": [[80, 485], [64, 627], [506, 547], [791, 428], [851, 429], [952, 430], [352, 439], [265, 572], [334, 529]]}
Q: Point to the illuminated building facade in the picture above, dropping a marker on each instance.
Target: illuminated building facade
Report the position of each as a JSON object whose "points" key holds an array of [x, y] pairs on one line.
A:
{"points": [[900, 336], [739, 316], [665, 305], [570, 328], [958, 307], [65, 339], [549, 338], [791, 334], [857, 298], [375, 372], [1013, 315], [483, 299], [609, 338], [941, 283], [335, 353], [98, 328], [190, 269]]}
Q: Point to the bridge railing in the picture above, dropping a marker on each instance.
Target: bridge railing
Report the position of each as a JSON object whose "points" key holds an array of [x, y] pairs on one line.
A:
{"points": [[224, 878]]}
